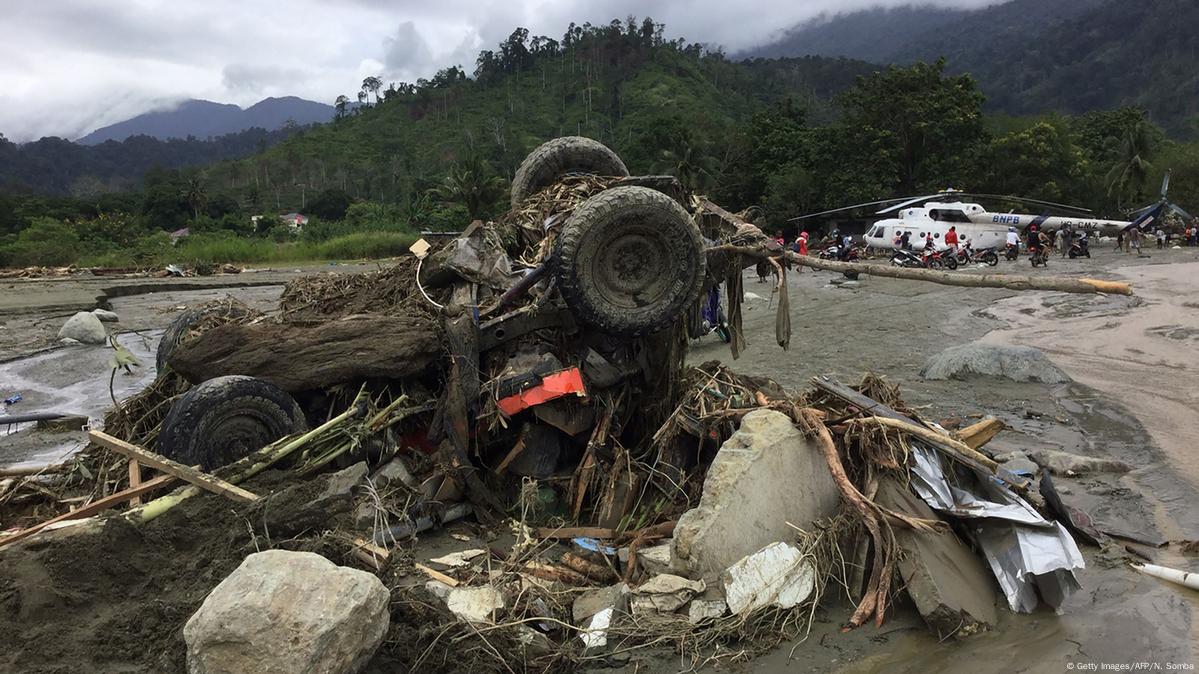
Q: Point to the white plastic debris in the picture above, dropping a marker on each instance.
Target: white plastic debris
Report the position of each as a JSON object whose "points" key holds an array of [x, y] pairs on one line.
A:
{"points": [[474, 604], [778, 575], [1183, 578], [596, 634], [665, 594], [456, 559], [705, 609]]}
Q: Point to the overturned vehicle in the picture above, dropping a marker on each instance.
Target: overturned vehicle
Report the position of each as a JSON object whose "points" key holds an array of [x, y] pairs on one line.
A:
{"points": [[540, 345]]}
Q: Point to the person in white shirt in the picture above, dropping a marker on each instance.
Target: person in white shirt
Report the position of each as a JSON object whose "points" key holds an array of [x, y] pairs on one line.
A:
{"points": [[1013, 239]]}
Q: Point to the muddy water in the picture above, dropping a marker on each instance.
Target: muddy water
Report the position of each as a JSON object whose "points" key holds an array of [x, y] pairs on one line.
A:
{"points": [[1125, 405], [75, 379]]}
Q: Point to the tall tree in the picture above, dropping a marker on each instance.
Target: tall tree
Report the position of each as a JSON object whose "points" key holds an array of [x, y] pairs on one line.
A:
{"points": [[930, 122], [1127, 176]]}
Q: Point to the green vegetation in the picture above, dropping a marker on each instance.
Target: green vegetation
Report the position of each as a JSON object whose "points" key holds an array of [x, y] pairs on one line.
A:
{"points": [[786, 136]]}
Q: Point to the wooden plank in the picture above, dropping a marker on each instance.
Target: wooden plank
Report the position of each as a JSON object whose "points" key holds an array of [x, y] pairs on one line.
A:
{"points": [[575, 532], [135, 479], [436, 575], [158, 462], [93, 507]]}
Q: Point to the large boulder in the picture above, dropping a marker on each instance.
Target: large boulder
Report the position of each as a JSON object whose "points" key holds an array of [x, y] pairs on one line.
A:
{"points": [[84, 327], [1018, 363], [1065, 463], [283, 611], [766, 475]]}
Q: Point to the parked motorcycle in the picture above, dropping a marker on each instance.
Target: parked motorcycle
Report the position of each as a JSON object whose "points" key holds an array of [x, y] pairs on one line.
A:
{"points": [[907, 259], [1080, 247], [1038, 257], [1011, 252], [935, 259], [986, 256]]}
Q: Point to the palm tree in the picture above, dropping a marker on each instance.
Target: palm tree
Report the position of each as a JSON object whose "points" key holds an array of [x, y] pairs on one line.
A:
{"points": [[472, 185], [1132, 165], [195, 194]]}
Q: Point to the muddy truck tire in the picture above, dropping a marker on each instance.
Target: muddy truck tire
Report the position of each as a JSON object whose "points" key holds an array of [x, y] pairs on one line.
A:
{"points": [[224, 419], [629, 261], [183, 323], [558, 157]]}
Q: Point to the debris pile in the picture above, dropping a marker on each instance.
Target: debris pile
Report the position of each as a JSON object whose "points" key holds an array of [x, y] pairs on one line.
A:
{"points": [[530, 374]]}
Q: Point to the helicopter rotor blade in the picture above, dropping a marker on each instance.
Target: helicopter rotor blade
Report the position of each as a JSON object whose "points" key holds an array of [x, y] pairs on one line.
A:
{"points": [[909, 202], [1165, 184], [1026, 200], [1178, 209], [1133, 215], [846, 208]]}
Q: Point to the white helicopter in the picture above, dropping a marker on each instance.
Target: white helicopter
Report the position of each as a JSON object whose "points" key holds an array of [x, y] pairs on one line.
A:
{"points": [[934, 214]]}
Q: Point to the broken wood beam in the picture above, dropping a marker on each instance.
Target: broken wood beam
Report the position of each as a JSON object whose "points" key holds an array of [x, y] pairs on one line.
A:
{"points": [[158, 462], [135, 478], [436, 575], [1006, 281], [978, 434], [93, 507], [577, 532]]}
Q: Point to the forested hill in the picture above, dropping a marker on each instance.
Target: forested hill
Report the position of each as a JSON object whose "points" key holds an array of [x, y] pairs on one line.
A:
{"points": [[665, 106], [1032, 56], [57, 166]]}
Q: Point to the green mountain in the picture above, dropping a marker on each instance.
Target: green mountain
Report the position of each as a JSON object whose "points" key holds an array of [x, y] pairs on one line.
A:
{"points": [[664, 106], [1032, 56]]}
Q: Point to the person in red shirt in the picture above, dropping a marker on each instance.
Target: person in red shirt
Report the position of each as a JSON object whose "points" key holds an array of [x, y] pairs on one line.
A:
{"points": [[951, 239], [803, 243]]}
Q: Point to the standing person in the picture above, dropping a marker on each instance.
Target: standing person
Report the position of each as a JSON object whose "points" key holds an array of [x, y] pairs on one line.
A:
{"points": [[1134, 240], [951, 240], [1194, 233], [778, 238], [1120, 241], [1161, 238], [1067, 239], [803, 243], [905, 241], [1034, 238]]}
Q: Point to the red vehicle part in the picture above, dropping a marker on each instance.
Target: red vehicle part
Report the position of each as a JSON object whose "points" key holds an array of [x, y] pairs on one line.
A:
{"points": [[552, 386]]}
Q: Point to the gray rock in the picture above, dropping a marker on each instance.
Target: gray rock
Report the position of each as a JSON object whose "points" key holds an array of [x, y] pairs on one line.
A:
{"points": [[105, 315], [310, 505], [655, 560], [84, 327], [1010, 456], [763, 477], [283, 611], [394, 470], [1065, 463], [945, 579], [591, 602], [1021, 465], [1018, 363]]}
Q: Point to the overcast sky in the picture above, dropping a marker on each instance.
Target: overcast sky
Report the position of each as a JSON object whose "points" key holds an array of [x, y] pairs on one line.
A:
{"points": [[68, 67]]}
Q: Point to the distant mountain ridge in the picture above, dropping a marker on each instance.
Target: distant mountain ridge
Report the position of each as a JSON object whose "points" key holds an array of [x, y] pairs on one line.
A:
{"points": [[1033, 56], [204, 119]]}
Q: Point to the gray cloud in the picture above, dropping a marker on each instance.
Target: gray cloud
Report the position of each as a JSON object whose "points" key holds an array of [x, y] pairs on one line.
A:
{"points": [[71, 66]]}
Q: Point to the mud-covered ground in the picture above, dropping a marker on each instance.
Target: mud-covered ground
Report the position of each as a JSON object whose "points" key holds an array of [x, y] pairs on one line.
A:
{"points": [[1134, 389], [1135, 398]]}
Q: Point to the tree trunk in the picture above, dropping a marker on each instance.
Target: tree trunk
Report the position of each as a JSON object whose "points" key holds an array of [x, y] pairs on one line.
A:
{"points": [[1008, 281]]}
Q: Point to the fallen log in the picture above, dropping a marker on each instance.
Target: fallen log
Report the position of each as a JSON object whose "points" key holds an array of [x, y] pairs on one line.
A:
{"points": [[306, 357], [1006, 281]]}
